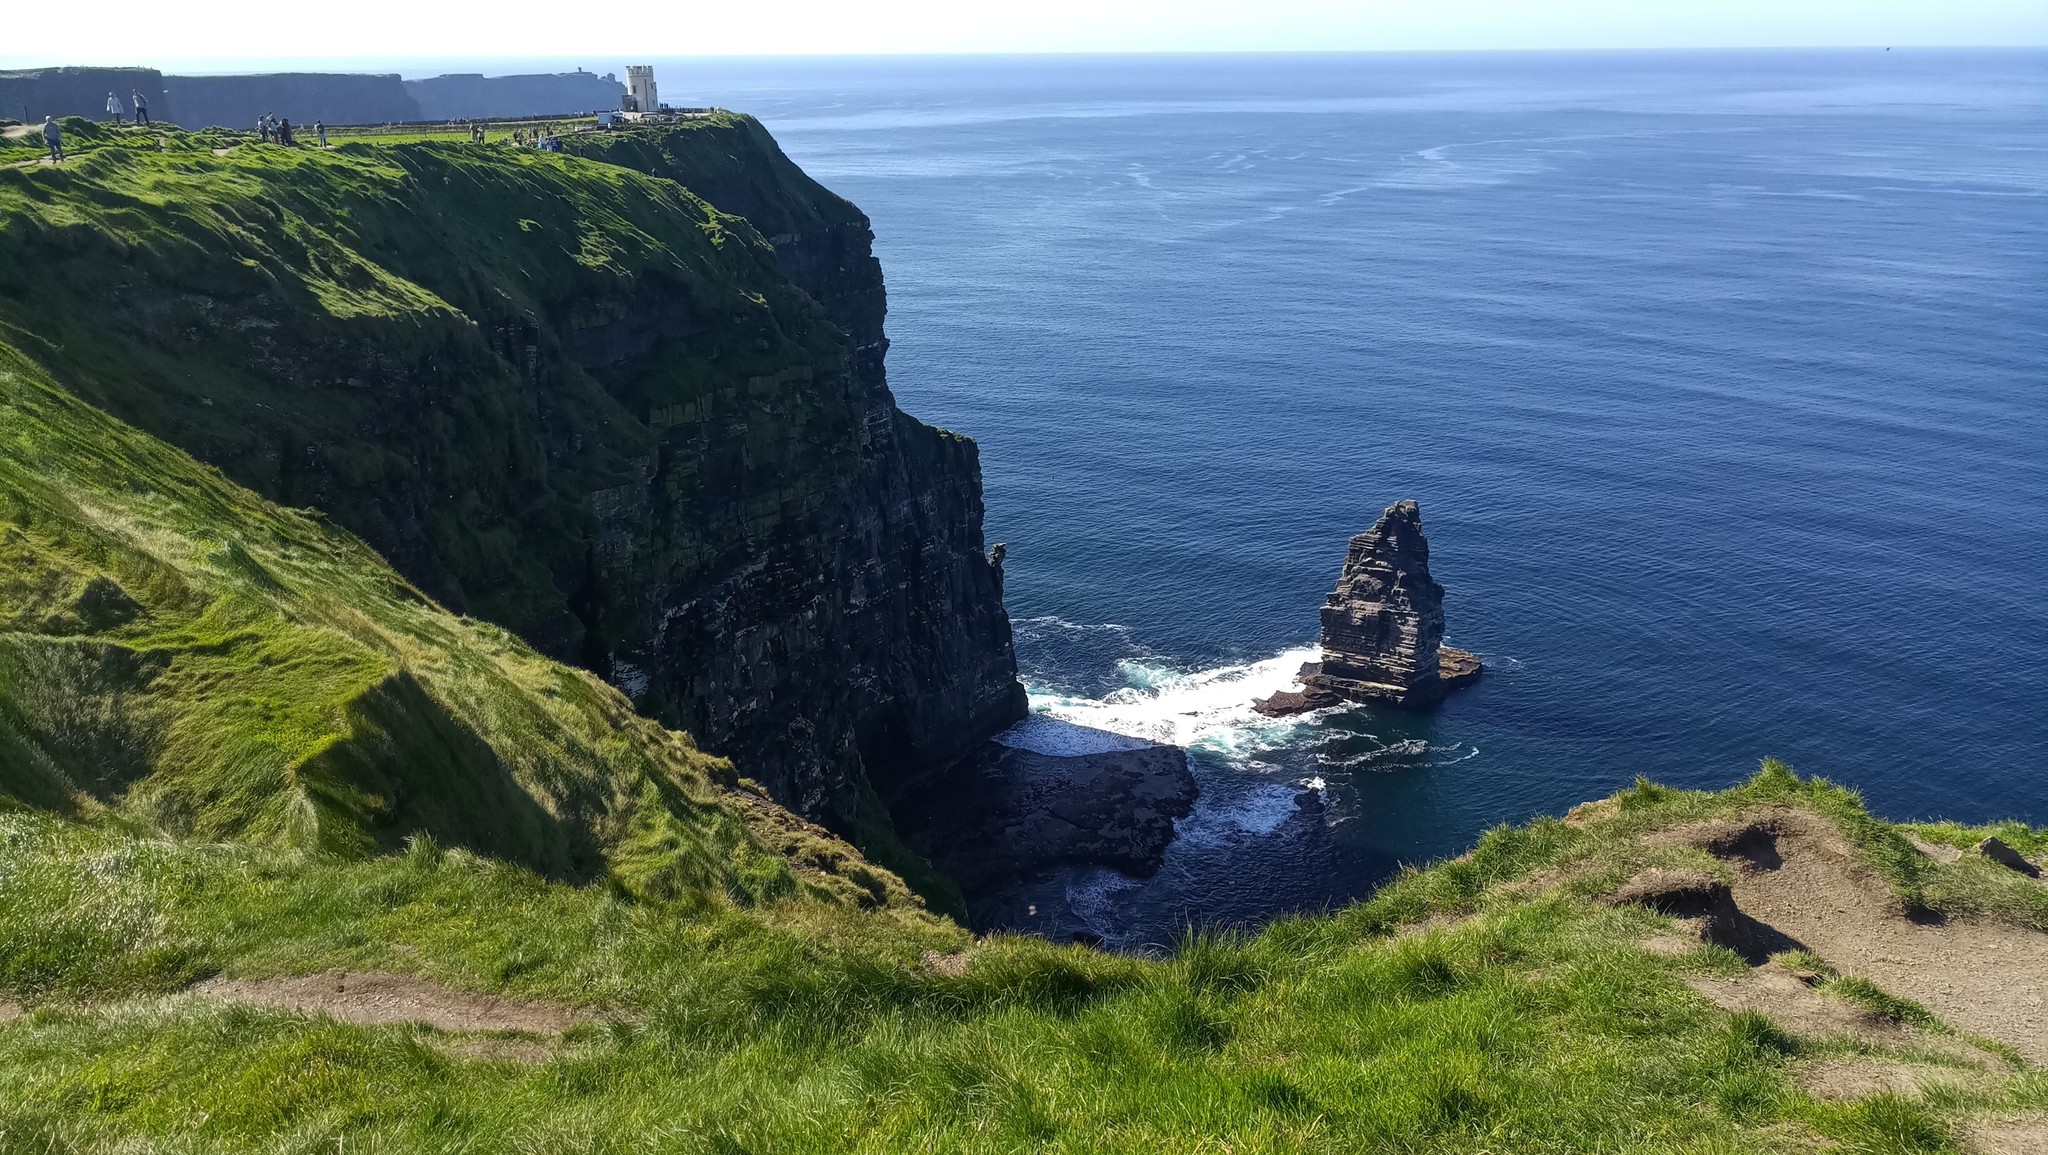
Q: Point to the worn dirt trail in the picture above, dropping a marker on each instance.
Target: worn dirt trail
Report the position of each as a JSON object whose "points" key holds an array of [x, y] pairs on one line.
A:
{"points": [[1797, 875], [376, 997]]}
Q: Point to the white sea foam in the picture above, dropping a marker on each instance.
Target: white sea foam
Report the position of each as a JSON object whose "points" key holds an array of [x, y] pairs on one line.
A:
{"points": [[1407, 752], [1045, 734], [1210, 709], [1257, 810]]}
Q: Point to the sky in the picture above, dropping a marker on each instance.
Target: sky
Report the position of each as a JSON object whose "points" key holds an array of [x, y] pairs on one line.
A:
{"points": [[240, 35]]}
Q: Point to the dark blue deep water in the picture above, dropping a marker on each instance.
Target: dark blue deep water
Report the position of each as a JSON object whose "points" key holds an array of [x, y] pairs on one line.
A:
{"points": [[1722, 380]]}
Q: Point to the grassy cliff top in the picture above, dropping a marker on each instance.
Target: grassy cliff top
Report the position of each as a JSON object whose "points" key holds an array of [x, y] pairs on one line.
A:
{"points": [[1506, 1001]]}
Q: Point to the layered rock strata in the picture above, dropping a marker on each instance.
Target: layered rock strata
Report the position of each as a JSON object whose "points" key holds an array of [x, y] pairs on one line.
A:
{"points": [[1383, 627]]}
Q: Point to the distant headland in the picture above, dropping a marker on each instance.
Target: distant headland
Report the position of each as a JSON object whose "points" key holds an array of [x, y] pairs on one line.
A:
{"points": [[28, 95]]}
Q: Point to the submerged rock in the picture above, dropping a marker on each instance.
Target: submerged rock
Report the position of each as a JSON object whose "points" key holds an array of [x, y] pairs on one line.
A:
{"points": [[1383, 627]]}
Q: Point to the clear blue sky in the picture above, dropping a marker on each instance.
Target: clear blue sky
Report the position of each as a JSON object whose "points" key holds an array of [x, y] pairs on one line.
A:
{"points": [[246, 34]]}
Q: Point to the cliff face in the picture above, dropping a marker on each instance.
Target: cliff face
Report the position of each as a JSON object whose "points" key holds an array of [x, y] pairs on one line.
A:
{"points": [[300, 97], [207, 664], [571, 398], [462, 96], [29, 95], [906, 589]]}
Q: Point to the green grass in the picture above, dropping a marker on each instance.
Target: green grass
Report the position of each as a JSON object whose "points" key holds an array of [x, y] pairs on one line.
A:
{"points": [[178, 655], [382, 280], [1531, 1023]]}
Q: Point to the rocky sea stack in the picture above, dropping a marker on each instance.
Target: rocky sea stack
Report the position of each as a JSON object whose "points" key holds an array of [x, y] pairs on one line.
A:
{"points": [[1383, 627]]}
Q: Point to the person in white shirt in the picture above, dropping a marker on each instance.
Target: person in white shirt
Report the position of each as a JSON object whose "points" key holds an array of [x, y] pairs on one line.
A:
{"points": [[54, 138], [141, 107], [114, 108]]}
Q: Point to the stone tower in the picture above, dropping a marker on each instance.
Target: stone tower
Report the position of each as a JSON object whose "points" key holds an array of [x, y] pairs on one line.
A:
{"points": [[640, 92]]}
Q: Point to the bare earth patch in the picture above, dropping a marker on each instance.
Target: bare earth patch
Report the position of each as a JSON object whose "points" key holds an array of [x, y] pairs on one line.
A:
{"points": [[9, 1012], [2026, 1135], [376, 998], [950, 966], [1781, 995], [1934, 850], [1842, 1080], [1797, 875]]}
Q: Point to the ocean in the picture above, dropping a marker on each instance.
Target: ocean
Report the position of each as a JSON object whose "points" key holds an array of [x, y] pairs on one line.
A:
{"points": [[1721, 379]]}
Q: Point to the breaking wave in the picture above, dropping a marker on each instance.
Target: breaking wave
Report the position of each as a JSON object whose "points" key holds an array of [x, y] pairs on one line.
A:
{"points": [[1207, 709]]}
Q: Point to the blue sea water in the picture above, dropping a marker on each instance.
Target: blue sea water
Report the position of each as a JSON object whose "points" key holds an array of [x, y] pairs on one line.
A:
{"points": [[1721, 378]]}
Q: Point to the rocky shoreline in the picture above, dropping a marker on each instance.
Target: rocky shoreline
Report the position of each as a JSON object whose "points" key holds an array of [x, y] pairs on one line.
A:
{"points": [[1013, 814]]}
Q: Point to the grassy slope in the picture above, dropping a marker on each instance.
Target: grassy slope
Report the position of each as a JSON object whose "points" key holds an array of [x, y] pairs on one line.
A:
{"points": [[180, 655], [327, 326], [1533, 1024]]}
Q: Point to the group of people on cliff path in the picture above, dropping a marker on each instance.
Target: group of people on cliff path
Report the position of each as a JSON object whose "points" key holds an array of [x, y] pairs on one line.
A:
{"points": [[53, 134], [116, 112], [273, 129]]}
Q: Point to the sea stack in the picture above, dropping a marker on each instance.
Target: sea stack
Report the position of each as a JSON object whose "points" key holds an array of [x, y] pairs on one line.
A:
{"points": [[1383, 627]]}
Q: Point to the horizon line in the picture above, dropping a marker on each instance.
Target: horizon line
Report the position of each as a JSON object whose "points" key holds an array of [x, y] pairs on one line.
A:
{"points": [[10, 64]]}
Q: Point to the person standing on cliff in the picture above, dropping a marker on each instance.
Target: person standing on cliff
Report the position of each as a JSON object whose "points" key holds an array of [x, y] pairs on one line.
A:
{"points": [[284, 132], [114, 108], [320, 132], [53, 138], [141, 107]]}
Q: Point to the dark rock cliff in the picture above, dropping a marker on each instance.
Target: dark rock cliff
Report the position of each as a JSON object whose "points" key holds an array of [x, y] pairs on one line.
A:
{"points": [[1383, 626], [572, 399], [300, 97], [30, 94], [472, 95], [907, 589]]}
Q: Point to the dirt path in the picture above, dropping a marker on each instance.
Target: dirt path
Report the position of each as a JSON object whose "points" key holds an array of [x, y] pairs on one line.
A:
{"points": [[1797, 875], [377, 997], [2027, 1135]]}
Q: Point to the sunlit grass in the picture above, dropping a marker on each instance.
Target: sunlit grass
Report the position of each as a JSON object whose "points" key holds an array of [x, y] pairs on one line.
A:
{"points": [[1456, 1011]]}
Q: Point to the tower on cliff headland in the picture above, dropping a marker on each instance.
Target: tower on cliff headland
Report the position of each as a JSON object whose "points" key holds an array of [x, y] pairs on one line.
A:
{"points": [[640, 93]]}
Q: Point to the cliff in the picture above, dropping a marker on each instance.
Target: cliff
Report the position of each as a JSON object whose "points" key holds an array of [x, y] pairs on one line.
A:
{"points": [[29, 95], [463, 96], [236, 101], [181, 657], [300, 97], [918, 607], [573, 399]]}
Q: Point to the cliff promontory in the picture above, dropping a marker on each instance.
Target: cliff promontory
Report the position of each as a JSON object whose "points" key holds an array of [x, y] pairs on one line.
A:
{"points": [[629, 405]]}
